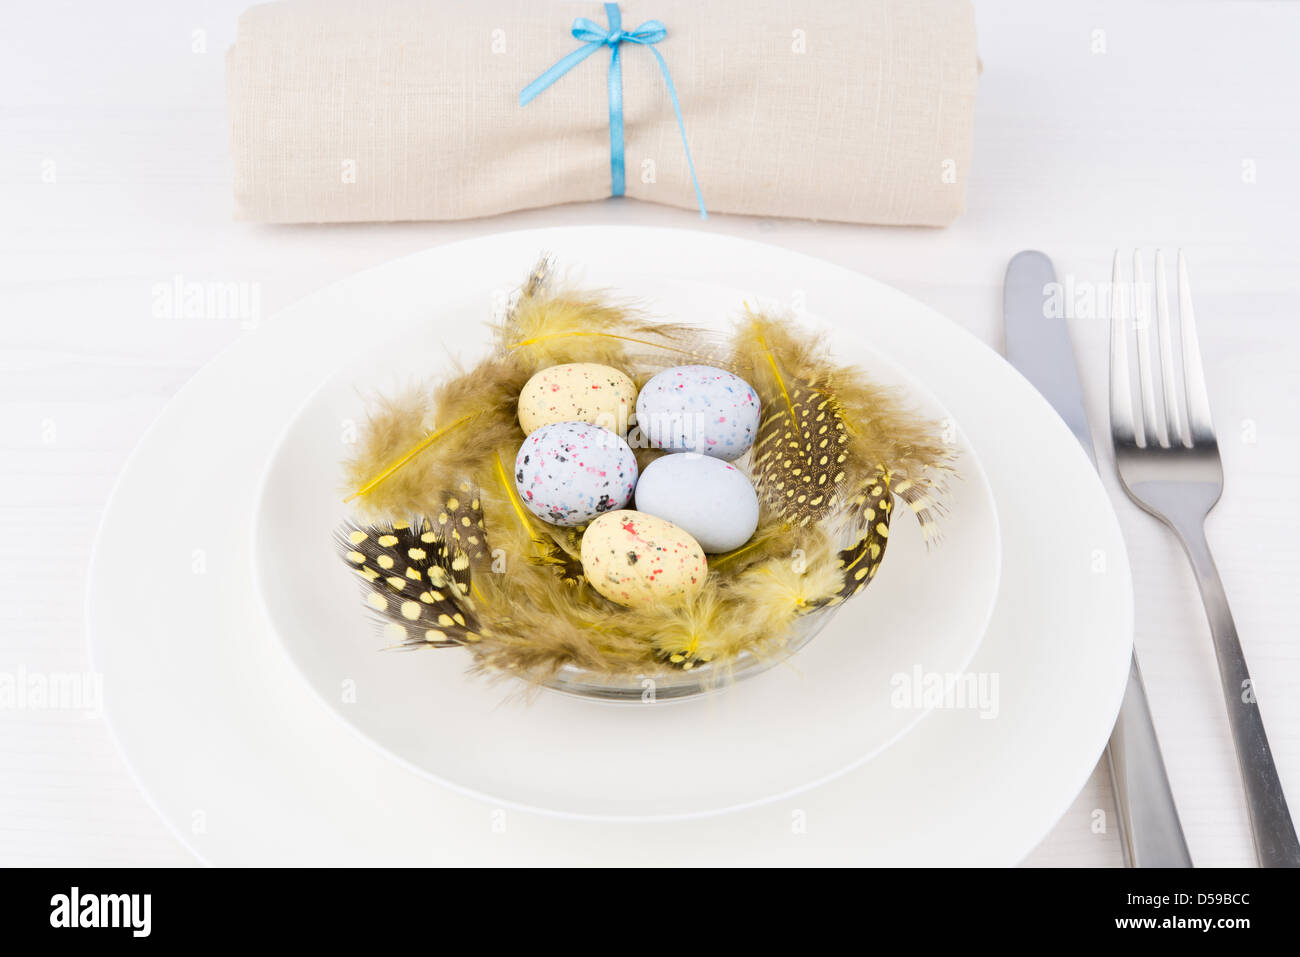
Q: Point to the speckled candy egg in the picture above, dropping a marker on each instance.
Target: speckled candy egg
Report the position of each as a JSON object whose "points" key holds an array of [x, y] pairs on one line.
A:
{"points": [[567, 473], [636, 559], [699, 409], [578, 392], [710, 499]]}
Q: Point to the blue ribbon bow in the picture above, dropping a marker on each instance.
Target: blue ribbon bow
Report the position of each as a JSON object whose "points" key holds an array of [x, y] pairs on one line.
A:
{"points": [[594, 37]]}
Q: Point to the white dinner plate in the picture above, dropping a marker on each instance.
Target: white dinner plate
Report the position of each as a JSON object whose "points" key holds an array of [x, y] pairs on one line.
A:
{"points": [[245, 763], [825, 710]]}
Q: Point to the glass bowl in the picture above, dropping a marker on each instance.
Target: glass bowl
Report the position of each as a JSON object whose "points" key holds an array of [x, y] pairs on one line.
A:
{"points": [[674, 685]]}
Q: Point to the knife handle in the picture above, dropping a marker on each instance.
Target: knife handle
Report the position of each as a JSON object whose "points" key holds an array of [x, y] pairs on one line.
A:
{"points": [[1151, 833]]}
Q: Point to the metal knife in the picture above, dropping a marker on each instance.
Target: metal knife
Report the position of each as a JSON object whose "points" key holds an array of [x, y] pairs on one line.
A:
{"points": [[1039, 346]]}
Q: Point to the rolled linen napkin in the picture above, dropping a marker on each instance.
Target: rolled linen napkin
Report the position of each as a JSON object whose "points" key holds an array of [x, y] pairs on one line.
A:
{"points": [[851, 110]]}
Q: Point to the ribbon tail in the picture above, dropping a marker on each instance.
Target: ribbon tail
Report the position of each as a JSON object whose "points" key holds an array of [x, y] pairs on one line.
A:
{"points": [[561, 67], [617, 161], [681, 126]]}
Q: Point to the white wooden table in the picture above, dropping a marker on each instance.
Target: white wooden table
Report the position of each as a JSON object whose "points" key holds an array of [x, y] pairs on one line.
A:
{"points": [[1099, 125]]}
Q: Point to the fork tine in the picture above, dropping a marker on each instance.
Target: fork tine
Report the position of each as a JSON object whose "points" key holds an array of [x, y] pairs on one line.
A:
{"points": [[1200, 425], [1122, 425], [1173, 418], [1146, 383]]}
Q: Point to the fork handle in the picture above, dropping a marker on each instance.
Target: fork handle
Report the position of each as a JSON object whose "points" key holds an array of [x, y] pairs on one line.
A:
{"points": [[1275, 836]]}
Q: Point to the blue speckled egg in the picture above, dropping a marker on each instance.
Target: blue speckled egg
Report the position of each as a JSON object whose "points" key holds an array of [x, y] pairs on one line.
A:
{"points": [[699, 409], [710, 499], [567, 473]]}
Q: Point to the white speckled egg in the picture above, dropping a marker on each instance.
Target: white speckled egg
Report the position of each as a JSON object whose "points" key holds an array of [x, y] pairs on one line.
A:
{"points": [[578, 392], [699, 409], [712, 500], [636, 559], [567, 473]]}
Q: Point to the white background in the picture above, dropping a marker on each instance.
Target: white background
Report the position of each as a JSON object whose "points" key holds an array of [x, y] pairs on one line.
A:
{"points": [[1184, 132]]}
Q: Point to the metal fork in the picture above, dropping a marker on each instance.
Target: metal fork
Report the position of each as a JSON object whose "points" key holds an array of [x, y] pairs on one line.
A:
{"points": [[1169, 464]]}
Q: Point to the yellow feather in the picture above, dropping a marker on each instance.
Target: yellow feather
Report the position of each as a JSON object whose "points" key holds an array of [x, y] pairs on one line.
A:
{"points": [[411, 453]]}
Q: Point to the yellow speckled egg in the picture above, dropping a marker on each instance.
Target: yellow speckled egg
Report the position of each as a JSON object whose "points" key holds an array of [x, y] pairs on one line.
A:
{"points": [[637, 559], [578, 392]]}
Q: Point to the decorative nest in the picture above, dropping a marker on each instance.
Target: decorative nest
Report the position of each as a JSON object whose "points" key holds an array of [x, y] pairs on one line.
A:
{"points": [[451, 558]]}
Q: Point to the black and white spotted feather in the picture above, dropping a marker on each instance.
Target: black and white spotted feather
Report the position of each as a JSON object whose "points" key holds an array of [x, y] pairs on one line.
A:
{"points": [[418, 579], [872, 508]]}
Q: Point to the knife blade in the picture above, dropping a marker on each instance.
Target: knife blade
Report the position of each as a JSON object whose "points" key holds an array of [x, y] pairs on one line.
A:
{"points": [[1038, 345]]}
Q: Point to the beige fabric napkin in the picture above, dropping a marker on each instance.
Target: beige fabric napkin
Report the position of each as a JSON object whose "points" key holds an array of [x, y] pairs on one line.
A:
{"points": [[378, 110]]}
